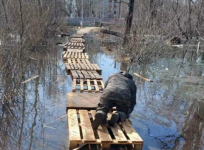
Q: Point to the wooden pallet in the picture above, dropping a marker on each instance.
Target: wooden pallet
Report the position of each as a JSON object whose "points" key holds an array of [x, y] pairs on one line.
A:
{"points": [[74, 49], [81, 64], [77, 40], [83, 74], [81, 132], [87, 85], [77, 36], [67, 54], [74, 44]]}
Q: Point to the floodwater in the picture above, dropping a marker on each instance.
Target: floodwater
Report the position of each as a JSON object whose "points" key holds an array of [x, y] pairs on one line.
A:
{"points": [[164, 116]]}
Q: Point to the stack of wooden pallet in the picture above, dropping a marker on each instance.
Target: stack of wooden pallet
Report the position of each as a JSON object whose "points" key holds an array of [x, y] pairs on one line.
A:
{"points": [[85, 75]]}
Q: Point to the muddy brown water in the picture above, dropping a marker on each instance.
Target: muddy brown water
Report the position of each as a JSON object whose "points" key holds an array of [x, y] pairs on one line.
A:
{"points": [[164, 116]]}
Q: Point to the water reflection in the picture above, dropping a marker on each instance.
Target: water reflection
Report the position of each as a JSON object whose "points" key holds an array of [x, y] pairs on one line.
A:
{"points": [[38, 118], [165, 115]]}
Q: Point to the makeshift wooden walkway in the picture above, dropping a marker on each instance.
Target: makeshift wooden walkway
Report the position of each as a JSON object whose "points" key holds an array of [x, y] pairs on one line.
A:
{"points": [[81, 107]]}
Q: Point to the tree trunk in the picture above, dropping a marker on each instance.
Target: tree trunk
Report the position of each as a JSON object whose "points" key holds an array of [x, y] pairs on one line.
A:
{"points": [[40, 7], [189, 18], [5, 14], [129, 21], [105, 31], [21, 17]]}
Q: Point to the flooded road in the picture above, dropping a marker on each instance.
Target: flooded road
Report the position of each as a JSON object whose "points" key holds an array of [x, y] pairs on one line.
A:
{"points": [[164, 116]]}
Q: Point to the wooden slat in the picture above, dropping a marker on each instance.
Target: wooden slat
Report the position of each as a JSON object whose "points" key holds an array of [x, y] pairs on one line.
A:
{"points": [[97, 76], [83, 56], [80, 74], [88, 85], [67, 66], [102, 130], [85, 64], [96, 86], [74, 74], [74, 85], [74, 133], [88, 134], [91, 74], [69, 61], [131, 133], [97, 66], [86, 75], [117, 132], [102, 84], [69, 54], [80, 55], [81, 85]]}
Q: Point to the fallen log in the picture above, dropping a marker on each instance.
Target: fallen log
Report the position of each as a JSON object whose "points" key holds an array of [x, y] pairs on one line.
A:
{"points": [[105, 31], [148, 80]]}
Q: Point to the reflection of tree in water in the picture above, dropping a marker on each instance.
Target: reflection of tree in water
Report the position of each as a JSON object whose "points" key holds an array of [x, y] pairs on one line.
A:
{"points": [[23, 111], [169, 101], [192, 131]]}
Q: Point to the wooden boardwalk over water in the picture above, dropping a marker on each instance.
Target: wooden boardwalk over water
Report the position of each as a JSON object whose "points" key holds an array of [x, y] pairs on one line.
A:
{"points": [[81, 106]]}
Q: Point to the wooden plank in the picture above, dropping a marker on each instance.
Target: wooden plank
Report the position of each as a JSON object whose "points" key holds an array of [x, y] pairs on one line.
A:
{"points": [[131, 133], [85, 64], [67, 66], [83, 56], [82, 100], [97, 66], [91, 75], [87, 131], [79, 66], [82, 66], [74, 133], [86, 75], [74, 74], [69, 61], [81, 85], [97, 76], [89, 85], [87, 57], [75, 55], [75, 50], [69, 54], [103, 133], [80, 74], [87, 61], [96, 86], [74, 85], [102, 84], [118, 134]]}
